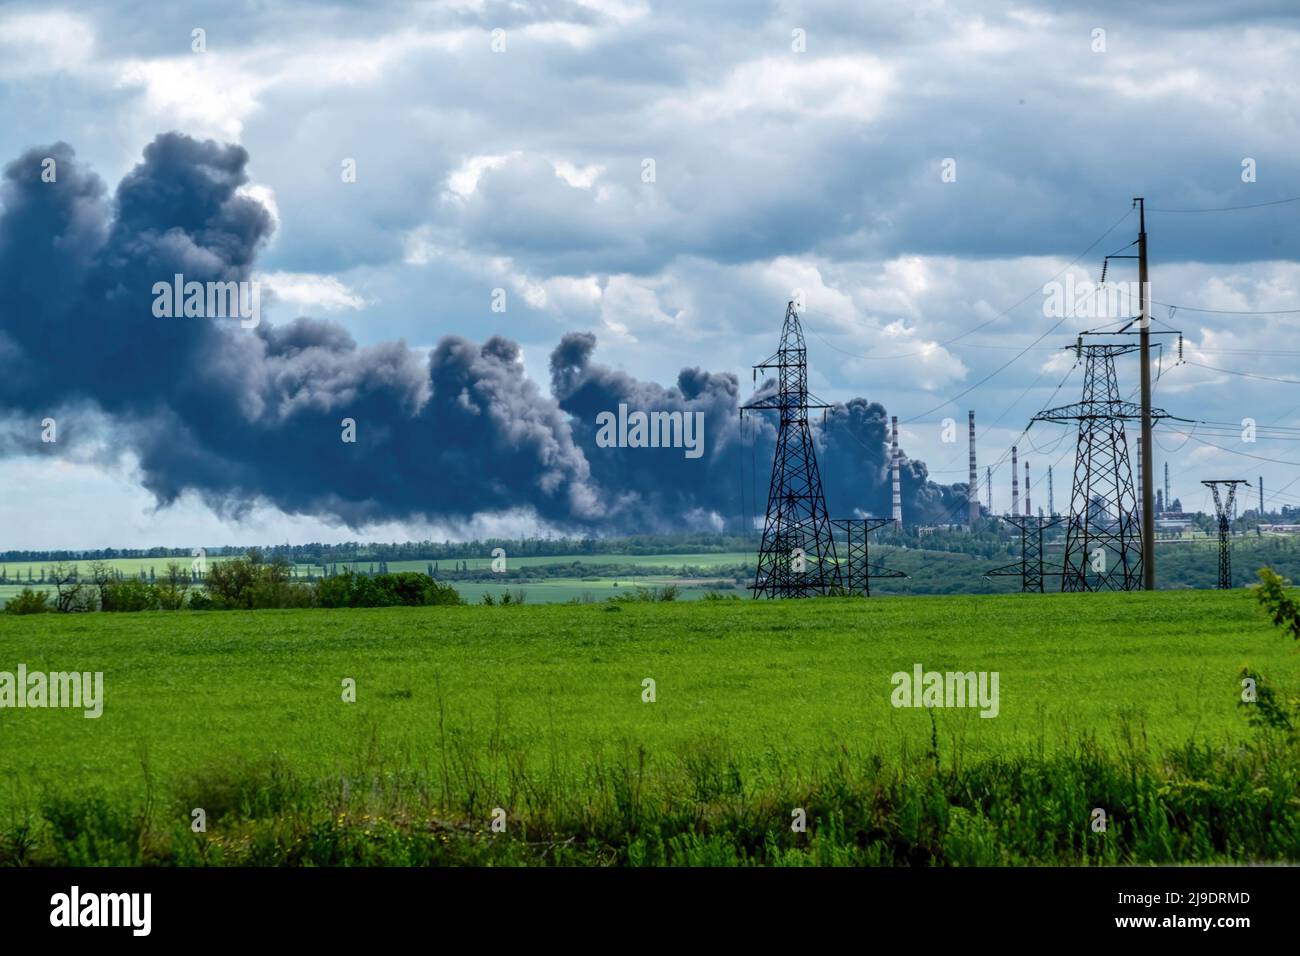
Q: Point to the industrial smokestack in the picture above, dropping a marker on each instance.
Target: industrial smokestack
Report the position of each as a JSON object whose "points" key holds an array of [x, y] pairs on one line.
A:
{"points": [[1015, 482], [1029, 508], [1051, 500], [1138, 489], [1167, 498], [898, 485], [974, 480], [1261, 497], [988, 486]]}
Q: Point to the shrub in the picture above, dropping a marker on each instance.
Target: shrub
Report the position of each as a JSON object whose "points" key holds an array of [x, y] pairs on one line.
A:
{"points": [[409, 588], [130, 594], [230, 582], [442, 594], [1281, 607], [250, 582], [29, 602], [201, 601], [335, 591], [173, 587], [1269, 709], [646, 595], [1272, 709]]}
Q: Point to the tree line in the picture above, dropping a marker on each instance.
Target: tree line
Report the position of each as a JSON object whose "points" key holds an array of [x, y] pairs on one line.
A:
{"points": [[248, 582]]}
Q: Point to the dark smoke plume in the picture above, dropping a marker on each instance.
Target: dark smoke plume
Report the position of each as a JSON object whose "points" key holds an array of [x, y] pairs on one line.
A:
{"points": [[241, 416]]}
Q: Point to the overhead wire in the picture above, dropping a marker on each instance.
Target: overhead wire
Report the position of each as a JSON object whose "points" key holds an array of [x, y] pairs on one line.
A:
{"points": [[1257, 205], [1037, 290]]}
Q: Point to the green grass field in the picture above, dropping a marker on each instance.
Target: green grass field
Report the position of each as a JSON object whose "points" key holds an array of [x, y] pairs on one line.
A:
{"points": [[463, 709]]}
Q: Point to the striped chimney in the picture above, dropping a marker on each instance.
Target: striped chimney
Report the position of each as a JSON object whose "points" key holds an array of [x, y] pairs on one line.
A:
{"points": [[1029, 508], [974, 494], [1138, 495], [898, 485], [1015, 482]]}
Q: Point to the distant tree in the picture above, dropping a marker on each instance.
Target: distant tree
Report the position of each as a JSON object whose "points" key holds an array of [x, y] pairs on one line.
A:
{"points": [[102, 575], [175, 587], [69, 594]]}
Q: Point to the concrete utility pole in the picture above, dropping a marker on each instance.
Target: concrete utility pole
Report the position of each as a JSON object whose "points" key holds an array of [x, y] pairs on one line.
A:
{"points": [[1144, 352]]}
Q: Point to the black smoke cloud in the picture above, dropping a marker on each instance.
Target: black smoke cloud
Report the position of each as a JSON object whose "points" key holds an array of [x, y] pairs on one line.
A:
{"points": [[241, 416], [853, 447]]}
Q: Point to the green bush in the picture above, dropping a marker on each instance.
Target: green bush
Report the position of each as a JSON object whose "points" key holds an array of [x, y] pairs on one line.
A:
{"points": [[249, 582], [1273, 709], [646, 595], [130, 594], [170, 598], [1281, 607], [335, 591], [409, 588], [29, 602], [201, 601]]}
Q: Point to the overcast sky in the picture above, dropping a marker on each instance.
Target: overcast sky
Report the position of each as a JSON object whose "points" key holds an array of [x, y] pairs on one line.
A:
{"points": [[794, 146]]}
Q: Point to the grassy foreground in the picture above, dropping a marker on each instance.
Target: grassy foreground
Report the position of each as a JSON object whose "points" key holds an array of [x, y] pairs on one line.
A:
{"points": [[1124, 702]]}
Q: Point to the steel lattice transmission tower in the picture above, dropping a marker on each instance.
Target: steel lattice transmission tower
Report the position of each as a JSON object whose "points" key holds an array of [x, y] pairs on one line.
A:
{"points": [[859, 570], [1030, 566], [1223, 508], [797, 557], [1103, 537]]}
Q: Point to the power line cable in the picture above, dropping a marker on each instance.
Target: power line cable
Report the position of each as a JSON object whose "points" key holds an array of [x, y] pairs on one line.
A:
{"points": [[1190, 308], [1230, 371], [1037, 290], [1257, 205]]}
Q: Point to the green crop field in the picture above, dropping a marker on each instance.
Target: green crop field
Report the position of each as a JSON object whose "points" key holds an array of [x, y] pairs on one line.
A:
{"points": [[540, 590], [539, 711]]}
